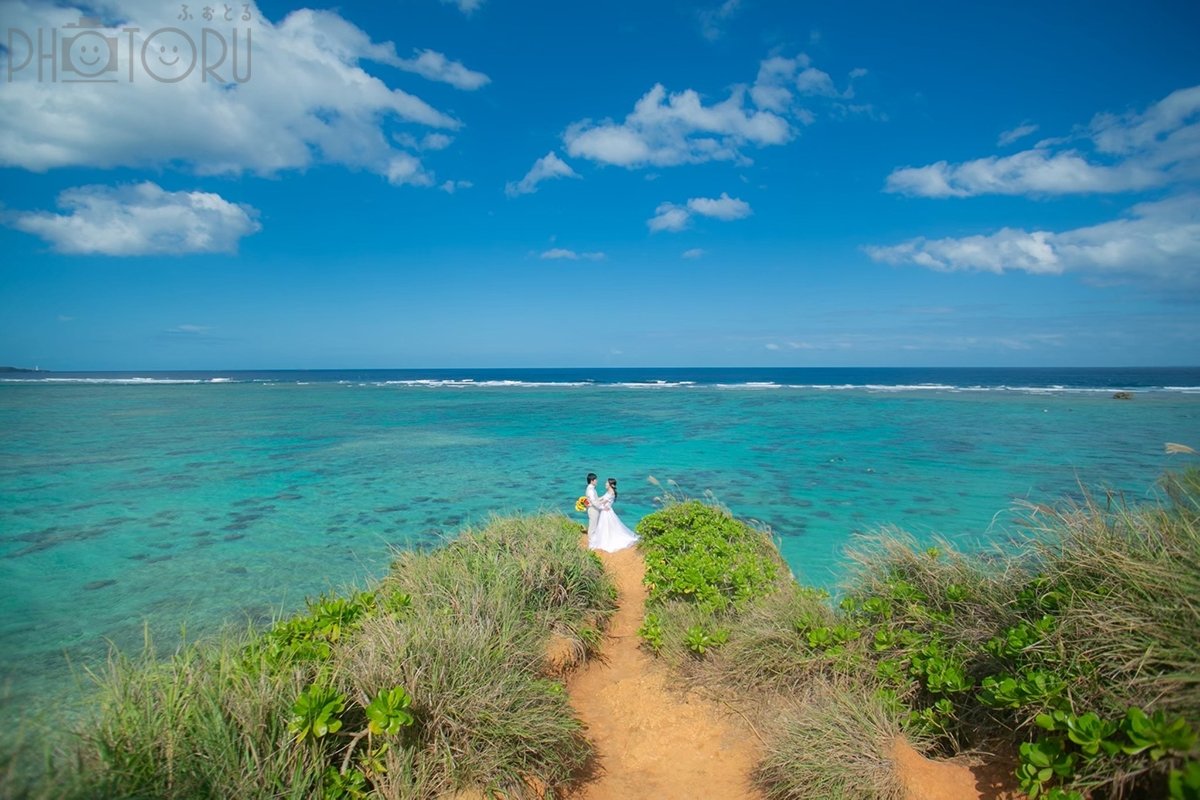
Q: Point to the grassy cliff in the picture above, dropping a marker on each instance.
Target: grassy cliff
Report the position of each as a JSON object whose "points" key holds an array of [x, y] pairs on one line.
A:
{"points": [[433, 681], [1078, 653]]}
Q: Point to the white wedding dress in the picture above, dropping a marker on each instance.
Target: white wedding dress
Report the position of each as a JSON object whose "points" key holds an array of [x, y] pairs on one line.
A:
{"points": [[611, 534]]}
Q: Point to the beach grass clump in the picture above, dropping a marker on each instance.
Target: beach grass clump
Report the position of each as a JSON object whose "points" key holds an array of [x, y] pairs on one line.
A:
{"points": [[432, 682], [834, 741]]}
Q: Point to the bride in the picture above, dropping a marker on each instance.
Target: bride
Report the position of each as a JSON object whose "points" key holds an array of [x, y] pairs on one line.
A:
{"points": [[610, 534]]}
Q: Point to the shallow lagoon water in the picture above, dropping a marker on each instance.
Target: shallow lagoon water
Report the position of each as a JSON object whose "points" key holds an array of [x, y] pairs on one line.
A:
{"points": [[171, 504]]}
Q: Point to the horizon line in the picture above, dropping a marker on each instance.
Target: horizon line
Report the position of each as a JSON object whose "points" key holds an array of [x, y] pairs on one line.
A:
{"points": [[607, 367]]}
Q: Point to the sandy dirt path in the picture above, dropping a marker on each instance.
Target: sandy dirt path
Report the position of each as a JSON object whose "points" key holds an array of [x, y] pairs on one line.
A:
{"points": [[652, 740]]}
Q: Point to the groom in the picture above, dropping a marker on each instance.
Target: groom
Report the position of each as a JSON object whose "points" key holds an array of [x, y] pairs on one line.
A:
{"points": [[593, 503]]}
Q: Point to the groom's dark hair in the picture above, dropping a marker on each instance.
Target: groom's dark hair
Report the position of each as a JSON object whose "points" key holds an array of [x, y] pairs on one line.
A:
{"points": [[591, 477]]}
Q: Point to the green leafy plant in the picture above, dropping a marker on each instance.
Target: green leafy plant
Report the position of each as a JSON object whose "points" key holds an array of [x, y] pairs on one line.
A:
{"points": [[1041, 762], [904, 592], [1059, 793], [884, 639], [699, 640], [397, 602], [372, 761], [820, 638], [1016, 640], [1040, 594], [389, 711], [348, 785], [1089, 731], [315, 712], [934, 719], [956, 593], [651, 631], [331, 616], [1030, 688], [877, 608], [1184, 783], [946, 676], [890, 670], [843, 633], [1155, 736]]}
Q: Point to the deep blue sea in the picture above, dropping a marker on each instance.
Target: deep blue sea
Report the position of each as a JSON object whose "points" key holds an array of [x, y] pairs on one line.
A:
{"points": [[197, 499]]}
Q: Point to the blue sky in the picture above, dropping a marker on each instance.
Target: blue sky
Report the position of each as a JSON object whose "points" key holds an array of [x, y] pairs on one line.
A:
{"points": [[418, 183]]}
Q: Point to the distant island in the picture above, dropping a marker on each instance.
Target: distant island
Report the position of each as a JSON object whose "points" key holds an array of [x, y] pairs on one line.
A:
{"points": [[18, 369]]}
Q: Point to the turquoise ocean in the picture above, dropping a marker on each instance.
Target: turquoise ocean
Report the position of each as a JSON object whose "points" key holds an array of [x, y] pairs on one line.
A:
{"points": [[177, 501]]}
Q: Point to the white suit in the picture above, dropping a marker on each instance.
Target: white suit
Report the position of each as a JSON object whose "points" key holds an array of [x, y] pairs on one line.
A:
{"points": [[593, 507]]}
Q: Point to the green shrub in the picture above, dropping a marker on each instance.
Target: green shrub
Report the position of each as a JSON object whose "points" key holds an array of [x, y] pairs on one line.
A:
{"points": [[702, 554], [703, 567]]}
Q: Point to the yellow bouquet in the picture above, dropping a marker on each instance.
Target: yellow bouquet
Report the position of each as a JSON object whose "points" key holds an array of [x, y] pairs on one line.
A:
{"points": [[582, 504]]}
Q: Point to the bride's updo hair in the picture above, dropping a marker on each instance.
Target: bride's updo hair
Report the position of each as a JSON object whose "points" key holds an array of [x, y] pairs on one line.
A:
{"points": [[612, 484]]}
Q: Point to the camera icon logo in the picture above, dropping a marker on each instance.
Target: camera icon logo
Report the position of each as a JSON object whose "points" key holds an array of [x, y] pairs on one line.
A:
{"points": [[87, 51]]}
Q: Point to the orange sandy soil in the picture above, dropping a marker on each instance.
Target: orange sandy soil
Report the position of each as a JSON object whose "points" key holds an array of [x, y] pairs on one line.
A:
{"points": [[925, 779], [654, 741]]}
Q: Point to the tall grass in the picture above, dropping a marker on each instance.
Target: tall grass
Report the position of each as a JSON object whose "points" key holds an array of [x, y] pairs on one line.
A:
{"points": [[463, 629], [207, 722], [833, 742], [1130, 602]]}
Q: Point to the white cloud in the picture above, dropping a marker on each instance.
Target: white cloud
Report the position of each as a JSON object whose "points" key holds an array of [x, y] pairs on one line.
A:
{"points": [[772, 346], [673, 128], [670, 129], [189, 330], [1131, 152], [141, 219], [436, 141], [468, 7], [1168, 130], [723, 207], [404, 168], [1157, 240], [1035, 171], [548, 167], [430, 141], [814, 81], [771, 89], [668, 217], [781, 79], [436, 67], [450, 187], [1019, 132], [570, 255], [695, 252], [713, 19], [305, 99], [672, 217]]}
